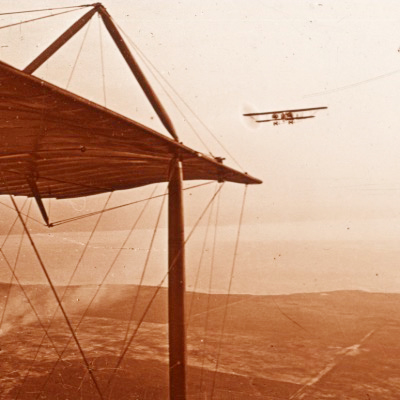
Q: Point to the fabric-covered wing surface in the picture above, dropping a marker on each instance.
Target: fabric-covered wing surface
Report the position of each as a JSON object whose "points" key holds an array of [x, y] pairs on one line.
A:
{"points": [[70, 147]]}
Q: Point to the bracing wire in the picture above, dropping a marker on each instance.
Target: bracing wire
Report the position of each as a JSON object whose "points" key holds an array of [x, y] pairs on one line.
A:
{"points": [[96, 292], [158, 288], [37, 19], [210, 282], [53, 289], [7, 296], [45, 9], [156, 77], [12, 277], [144, 57], [114, 371], [12, 225], [143, 272], [229, 292], [62, 298], [13, 273], [28, 216], [78, 217], [78, 54], [20, 285], [102, 61], [202, 252], [45, 329]]}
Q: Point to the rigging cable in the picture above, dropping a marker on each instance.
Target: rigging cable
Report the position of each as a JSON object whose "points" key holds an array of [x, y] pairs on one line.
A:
{"points": [[352, 85], [110, 387], [202, 252], [46, 329], [102, 61], [13, 272], [29, 300], [14, 276], [143, 272], [146, 59], [209, 294], [12, 225], [147, 63], [158, 288], [46, 9], [79, 53], [7, 296], [36, 19], [25, 215], [229, 291], [96, 292], [72, 219], [53, 289], [62, 299]]}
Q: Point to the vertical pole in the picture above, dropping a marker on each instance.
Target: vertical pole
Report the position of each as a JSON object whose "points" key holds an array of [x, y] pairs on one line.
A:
{"points": [[176, 285]]}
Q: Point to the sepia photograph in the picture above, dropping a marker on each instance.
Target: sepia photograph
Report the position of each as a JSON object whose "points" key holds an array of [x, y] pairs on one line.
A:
{"points": [[199, 200]]}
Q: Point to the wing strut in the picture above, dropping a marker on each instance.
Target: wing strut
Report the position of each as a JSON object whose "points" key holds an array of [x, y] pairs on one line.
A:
{"points": [[176, 284], [36, 195], [134, 67], [71, 31]]}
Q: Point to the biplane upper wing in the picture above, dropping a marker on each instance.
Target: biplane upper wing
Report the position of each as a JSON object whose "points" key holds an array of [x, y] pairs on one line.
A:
{"points": [[284, 111], [57, 144]]}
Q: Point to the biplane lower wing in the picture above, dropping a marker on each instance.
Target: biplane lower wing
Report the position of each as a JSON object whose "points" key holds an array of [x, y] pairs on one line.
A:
{"points": [[285, 120]]}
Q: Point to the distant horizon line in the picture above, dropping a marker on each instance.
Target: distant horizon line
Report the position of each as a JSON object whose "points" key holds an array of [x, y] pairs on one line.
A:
{"points": [[321, 292]]}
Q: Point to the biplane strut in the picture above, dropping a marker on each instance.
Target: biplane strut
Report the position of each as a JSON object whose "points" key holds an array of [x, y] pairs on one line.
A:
{"points": [[36, 194]]}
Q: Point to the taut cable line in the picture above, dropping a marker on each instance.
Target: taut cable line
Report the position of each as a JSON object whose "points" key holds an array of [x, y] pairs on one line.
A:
{"points": [[25, 215], [158, 288], [97, 291], [62, 299], [147, 60], [13, 272], [78, 54], [133, 308], [210, 282], [45, 9], [53, 289], [37, 19], [21, 286], [229, 291], [72, 219], [202, 252]]}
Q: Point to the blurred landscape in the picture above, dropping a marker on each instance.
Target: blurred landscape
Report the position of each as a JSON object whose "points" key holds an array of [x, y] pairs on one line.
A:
{"points": [[332, 345]]}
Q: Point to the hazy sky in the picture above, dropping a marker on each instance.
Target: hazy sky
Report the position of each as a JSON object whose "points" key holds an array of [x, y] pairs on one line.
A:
{"points": [[327, 215]]}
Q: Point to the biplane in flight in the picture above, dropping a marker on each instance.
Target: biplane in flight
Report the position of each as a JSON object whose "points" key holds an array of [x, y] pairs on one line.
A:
{"points": [[288, 116]]}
